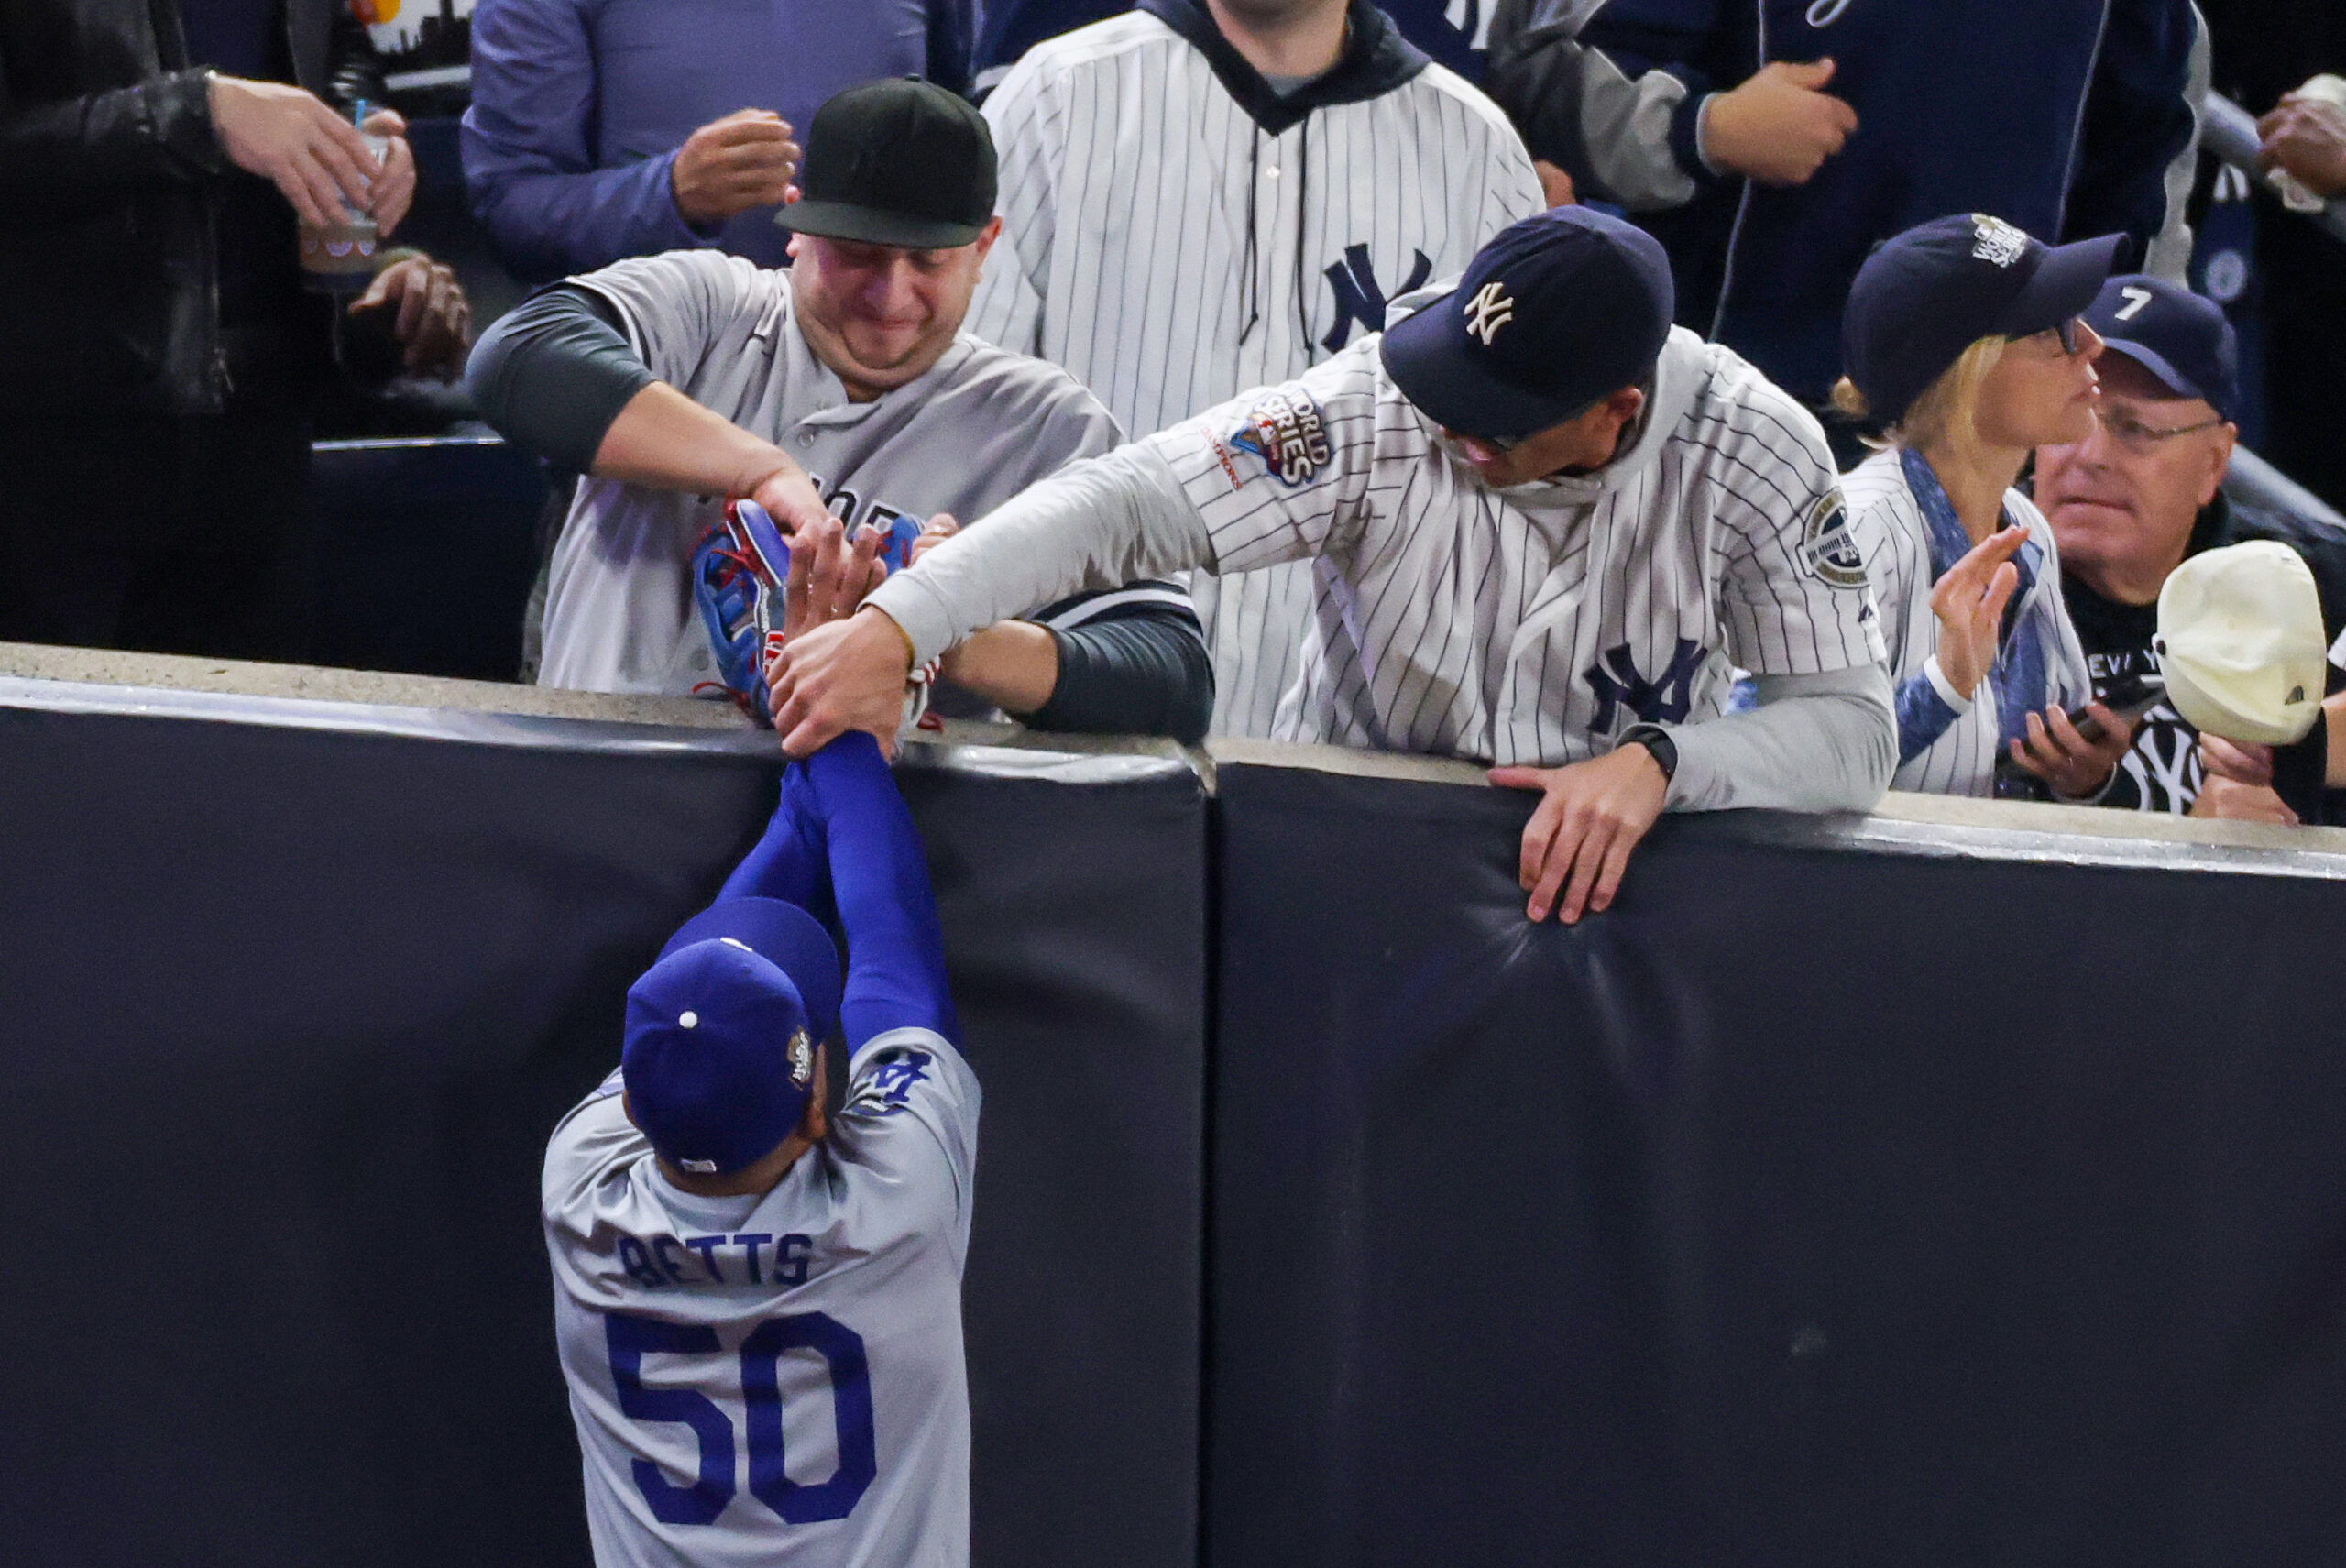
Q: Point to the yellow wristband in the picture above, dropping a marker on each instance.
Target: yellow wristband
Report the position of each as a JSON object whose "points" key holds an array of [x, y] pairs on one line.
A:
{"points": [[911, 655]]}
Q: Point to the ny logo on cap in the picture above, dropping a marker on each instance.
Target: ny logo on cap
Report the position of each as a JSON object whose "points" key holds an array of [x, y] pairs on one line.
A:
{"points": [[1992, 239], [1487, 312]]}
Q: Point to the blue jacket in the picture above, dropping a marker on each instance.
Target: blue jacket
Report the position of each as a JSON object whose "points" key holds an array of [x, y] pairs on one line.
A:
{"points": [[2063, 117], [579, 107]]}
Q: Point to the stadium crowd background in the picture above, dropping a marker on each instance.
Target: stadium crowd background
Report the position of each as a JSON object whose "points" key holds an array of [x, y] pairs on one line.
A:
{"points": [[153, 175]]}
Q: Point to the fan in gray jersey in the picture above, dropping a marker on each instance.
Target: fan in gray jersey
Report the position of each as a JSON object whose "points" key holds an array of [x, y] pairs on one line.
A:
{"points": [[841, 396], [758, 1299], [1545, 526], [1194, 206]]}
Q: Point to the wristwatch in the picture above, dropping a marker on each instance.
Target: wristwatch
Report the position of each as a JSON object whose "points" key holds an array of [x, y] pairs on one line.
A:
{"points": [[1656, 740]]}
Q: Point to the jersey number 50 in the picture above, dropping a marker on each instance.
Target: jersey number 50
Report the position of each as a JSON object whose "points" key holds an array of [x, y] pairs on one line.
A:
{"points": [[630, 1337]]}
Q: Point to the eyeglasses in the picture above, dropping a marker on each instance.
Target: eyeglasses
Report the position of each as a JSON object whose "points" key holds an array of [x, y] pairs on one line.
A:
{"points": [[2142, 439], [2065, 331]]}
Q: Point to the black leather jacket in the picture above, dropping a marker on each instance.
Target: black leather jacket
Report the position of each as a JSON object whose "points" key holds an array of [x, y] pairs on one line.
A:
{"points": [[110, 181]]}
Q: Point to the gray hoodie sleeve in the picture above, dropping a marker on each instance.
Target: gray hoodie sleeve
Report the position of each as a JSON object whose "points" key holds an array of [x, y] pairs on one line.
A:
{"points": [[1607, 121], [1825, 742]]}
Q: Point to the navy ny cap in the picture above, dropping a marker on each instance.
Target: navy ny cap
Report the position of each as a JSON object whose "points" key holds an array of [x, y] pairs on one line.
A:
{"points": [[1932, 292], [2179, 336], [722, 1031], [1555, 312]]}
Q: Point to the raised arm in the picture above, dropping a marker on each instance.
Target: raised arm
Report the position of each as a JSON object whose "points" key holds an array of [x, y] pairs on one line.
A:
{"points": [[788, 862], [556, 378], [895, 950]]}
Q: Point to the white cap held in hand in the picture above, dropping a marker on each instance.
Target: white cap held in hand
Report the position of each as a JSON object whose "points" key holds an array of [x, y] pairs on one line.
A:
{"points": [[2240, 644]]}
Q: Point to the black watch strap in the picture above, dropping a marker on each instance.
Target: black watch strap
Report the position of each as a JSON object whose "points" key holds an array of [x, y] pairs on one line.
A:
{"points": [[1656, 740]]}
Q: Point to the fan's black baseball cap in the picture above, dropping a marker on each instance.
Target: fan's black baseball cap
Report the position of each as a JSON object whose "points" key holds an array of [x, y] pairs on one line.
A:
{"points": [[899, 162]]}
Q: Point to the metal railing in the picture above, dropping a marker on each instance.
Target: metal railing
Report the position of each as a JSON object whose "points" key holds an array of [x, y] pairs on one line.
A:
{"points": [[2230, 132]]}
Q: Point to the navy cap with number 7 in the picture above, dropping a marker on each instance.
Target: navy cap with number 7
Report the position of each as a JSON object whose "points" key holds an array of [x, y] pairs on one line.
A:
{"points": [[2182, 339]]}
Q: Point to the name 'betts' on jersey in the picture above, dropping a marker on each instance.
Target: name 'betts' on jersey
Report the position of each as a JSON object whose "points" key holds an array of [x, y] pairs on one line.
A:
{"points": [[1533, 625], [774, 1379]]}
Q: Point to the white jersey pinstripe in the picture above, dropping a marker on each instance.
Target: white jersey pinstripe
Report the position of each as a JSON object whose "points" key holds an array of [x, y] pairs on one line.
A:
{"points": [[1165, 247], [1533, 625], [1895, 539]]}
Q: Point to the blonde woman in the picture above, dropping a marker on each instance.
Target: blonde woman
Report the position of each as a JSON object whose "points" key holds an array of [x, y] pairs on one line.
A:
{"points": [[1962, 340]]}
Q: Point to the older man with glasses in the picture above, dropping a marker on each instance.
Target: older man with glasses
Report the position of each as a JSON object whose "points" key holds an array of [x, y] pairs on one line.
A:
{"points": [[2133, 500]]}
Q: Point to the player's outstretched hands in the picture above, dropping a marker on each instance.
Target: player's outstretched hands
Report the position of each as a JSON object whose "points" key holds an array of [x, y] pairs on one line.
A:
{"points": [[1970, 603], [828, 576], [1779, 126], [850, 674], [746, 159], [2059, 752], [1591, 816]]}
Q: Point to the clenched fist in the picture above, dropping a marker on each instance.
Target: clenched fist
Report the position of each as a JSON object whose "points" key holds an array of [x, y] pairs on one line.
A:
{"points": [[746, 159], [1780, 127]]}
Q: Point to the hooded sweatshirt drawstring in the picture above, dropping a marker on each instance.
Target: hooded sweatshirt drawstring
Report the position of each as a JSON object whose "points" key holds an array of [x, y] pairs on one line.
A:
{"points": [[1250, 296]]}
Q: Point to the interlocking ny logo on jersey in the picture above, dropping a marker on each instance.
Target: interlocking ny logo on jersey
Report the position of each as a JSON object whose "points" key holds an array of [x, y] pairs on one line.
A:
{"points": [[1286, 430], [1666, 699], [1359, 298], [1992, 239], [1488, 311]]}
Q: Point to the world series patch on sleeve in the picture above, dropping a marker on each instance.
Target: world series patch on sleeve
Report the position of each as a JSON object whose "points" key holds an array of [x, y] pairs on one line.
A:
{"points": [[1285, 431]]}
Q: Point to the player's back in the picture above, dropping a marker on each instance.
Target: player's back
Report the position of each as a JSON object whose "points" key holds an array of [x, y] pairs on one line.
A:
{"points": [[774, 1379]]}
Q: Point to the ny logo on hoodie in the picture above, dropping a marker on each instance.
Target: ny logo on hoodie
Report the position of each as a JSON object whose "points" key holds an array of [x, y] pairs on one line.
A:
{"points": [[1359, 298]]}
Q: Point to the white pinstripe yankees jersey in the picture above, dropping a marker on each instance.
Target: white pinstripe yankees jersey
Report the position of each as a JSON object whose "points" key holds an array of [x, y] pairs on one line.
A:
{"points": [[1533, 625], [1174, 232], [1907, 530]]}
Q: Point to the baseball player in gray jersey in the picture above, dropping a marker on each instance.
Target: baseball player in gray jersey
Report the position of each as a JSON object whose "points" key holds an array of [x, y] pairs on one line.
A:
{"points": [[758, 1299], [1547, 525], [841, 396], [1198, 199]]}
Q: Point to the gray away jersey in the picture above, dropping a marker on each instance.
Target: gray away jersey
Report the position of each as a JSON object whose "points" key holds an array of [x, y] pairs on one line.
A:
{"points": [[1891, 532], [981, 426], [1159, 244], [774, 1379], [1533, 625]]}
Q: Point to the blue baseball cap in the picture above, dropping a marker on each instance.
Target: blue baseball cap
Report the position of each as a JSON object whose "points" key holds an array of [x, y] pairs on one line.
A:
{"points": [[1556, 311], [2179, 336], [722, 1031], [1932, 292]]}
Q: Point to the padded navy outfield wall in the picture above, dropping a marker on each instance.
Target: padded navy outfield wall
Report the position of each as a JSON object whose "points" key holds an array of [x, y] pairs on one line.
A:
{"points": [[288, 1013], [1690, 1237]]}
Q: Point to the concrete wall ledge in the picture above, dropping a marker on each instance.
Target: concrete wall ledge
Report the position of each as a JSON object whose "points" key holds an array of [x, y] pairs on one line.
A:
{"points": [[33, 676]]}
